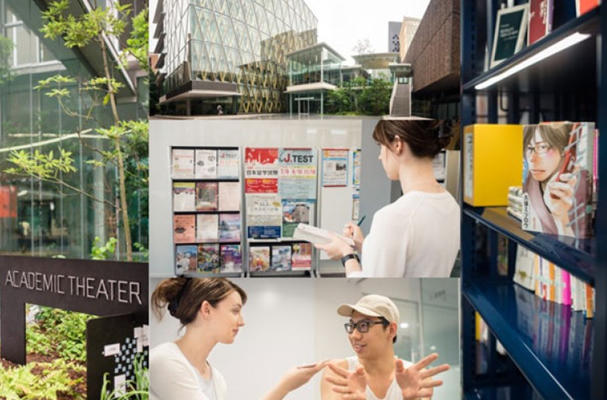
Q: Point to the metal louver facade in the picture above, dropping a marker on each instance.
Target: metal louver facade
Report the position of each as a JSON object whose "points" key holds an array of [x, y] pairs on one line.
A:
{"points": [[237, 42]]}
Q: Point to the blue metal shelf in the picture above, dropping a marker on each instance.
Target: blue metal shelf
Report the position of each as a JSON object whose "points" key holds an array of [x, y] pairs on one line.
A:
{"points": [[510, 392], [576, 256], [587, 23], [550, 344], [570, 85]]}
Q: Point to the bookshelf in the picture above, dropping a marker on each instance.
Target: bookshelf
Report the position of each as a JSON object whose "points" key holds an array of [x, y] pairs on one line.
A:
{"points": [[568, 85]]}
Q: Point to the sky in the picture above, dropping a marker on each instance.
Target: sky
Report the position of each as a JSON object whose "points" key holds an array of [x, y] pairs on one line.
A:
{"points": [[342, 23]]}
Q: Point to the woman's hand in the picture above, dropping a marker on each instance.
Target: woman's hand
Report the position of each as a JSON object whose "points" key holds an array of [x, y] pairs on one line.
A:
{"points": [[293, 379], [336, 248], [351, 385], [353, 231], [416, 382]]}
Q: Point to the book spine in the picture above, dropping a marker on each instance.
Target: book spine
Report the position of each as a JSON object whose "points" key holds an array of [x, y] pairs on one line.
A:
{"points": [[566, 288]]}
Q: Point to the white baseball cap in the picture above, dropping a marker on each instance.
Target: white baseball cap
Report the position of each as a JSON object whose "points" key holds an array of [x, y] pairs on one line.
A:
{"points": [[372, 305]]}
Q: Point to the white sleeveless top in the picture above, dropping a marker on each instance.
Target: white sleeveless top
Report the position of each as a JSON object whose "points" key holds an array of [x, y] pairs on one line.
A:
{"points": [[393, 392], [173, 377]]}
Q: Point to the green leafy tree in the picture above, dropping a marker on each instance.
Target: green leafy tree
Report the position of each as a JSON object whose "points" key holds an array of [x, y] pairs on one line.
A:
{"points": [[374, 99], [127, 137], [6, 51]]}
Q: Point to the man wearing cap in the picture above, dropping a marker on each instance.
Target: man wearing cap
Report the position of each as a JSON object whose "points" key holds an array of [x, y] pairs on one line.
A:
{"points": [[375, 373]]}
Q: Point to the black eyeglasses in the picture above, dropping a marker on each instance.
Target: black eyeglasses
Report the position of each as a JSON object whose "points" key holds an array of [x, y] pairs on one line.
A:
{"points": [[363, 325]]}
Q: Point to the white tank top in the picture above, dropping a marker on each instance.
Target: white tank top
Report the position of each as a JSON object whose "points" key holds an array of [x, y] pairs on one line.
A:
{"points": [[393, 392]]}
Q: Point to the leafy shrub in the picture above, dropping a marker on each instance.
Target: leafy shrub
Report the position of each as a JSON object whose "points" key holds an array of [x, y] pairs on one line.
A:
{"points": [[21, 383], [58, 332]]}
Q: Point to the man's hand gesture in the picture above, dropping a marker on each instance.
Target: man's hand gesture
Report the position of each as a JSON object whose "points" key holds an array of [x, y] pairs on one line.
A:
{"points": [[416, 382], [350, 384]]}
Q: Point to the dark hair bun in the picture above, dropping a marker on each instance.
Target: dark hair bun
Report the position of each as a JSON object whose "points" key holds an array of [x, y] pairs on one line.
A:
{"points": [[425, 137]]}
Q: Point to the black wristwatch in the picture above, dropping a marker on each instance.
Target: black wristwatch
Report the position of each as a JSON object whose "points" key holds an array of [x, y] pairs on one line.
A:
{"points": [[347, 257]]}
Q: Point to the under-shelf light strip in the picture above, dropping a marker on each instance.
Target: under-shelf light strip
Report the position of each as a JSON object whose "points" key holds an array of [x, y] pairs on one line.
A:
{"points": [[547, 52]]}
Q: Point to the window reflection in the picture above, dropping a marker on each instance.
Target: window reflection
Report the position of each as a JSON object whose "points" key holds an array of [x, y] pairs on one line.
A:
{"points": [[41, 218]]}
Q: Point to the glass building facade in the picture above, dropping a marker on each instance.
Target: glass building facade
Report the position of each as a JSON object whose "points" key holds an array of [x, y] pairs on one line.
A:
{"points": [[37, 217], [313, 71], [238, 42]]}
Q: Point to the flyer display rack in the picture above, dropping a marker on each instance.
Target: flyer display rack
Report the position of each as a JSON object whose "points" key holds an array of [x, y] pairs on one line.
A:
{"points": [[207, 211], [567, 85], [280, 191]]}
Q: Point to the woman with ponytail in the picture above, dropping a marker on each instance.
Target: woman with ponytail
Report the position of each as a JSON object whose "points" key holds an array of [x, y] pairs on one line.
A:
{"points": [[210, 311], [418, 235]]}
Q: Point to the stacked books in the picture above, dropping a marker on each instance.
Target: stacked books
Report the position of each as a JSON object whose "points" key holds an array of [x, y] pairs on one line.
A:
{"points": [[515, 202]]}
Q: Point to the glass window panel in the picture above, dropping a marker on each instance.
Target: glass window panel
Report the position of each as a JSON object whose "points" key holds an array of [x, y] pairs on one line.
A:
{"points": [[25, 46]]}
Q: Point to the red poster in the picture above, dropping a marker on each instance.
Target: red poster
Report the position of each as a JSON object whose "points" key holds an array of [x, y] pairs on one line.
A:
{"points": [[266, 185], [540, 19], [261, 163], [583, 6], [8, 202]]}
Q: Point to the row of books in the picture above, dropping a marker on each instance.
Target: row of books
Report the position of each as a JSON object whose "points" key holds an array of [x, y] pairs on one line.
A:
{"points": [[201, 228], [214, 258], [557, 335], [551, 283], [280, 257], [204, 163], [206, 196]]}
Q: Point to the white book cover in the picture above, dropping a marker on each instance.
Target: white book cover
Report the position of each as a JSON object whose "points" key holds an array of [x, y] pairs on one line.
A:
{"points": [[229, 196], [184, 196], [182, 164], [206, 164], [207, 227], [228, 164], [523, 268]]}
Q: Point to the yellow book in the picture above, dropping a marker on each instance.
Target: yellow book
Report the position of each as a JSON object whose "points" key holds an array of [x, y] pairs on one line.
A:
{"points": [[493, 161]]}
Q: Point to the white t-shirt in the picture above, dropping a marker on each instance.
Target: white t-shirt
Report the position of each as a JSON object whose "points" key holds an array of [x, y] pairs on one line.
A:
{"points": [[416, 236], [173, 377], [393, 393]]}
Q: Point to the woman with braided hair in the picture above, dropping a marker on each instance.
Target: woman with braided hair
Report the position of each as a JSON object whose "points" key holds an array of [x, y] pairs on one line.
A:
{"points": [[210, 311]]}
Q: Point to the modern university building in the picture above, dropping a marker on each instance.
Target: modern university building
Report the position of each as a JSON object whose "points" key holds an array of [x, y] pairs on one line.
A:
{"points": [[228, 56]]}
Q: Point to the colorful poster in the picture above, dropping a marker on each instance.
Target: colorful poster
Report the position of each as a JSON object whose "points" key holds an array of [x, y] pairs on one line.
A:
{"points": [[264, 216], [261, 162], [335, 167], [208, 258], [297, 176], [206, 164], [182, 163], [356, 168], [231, 258], [185, 259], [259, 258], [227, 164], [263, 185], [295, 212], [281, 258], [301, 256], [261, 170], [540, 19]]}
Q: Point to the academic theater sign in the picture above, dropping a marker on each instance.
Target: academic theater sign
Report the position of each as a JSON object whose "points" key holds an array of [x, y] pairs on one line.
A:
{"points": [[116, 292]]}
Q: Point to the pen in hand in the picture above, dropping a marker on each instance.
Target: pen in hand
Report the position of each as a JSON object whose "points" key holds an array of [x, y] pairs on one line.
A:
{"points": [[360, 221]]}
